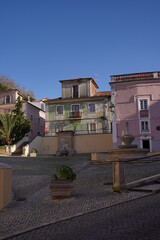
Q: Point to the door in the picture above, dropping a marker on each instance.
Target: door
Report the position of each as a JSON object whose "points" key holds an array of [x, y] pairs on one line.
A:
{"points": [[146, 144], [75, 108]]}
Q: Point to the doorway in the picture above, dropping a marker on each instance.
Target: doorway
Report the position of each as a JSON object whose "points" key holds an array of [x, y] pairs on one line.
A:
{"points": [[145, 144]]}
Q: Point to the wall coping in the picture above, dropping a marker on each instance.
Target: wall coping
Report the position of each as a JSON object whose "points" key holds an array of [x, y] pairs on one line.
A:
{"points": [[5, 166]]}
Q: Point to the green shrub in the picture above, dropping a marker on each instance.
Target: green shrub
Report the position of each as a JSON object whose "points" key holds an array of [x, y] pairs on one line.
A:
{"points": [[64, 173]]}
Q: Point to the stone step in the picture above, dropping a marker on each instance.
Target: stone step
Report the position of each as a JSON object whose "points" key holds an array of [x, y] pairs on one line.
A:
{"points": [[143, 181], [147, 188]]}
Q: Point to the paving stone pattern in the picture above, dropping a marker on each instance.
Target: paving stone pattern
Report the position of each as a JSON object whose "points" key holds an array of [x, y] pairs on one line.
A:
{"points": [[92, 191], [134, 220]]}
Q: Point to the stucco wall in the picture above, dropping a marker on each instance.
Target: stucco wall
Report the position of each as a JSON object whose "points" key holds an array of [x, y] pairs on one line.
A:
{"points": [[82, 144], [37, 126], [49, 145], [126, 103], [83, 88], [93, 143], [52, 118]]}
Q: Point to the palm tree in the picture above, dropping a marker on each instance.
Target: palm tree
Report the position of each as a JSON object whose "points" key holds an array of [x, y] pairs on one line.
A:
{"points": [[7, 122]]}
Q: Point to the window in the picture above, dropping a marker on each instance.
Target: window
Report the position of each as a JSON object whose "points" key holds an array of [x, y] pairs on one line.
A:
{"points": [[8, 99], [144, 126], [143, 107], [31, 117], [92, 127], [59, 110], [92, 107], [75, 91], [143, 104], [38, 120], [75, 113], [75, 108]]}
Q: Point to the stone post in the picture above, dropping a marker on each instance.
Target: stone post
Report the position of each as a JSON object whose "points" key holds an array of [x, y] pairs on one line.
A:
{"points": [[118, 167], [5, 185], [66, 143]]}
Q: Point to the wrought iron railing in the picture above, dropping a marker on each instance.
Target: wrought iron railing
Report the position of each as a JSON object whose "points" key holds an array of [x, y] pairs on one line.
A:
{"points": [[75, 114]]}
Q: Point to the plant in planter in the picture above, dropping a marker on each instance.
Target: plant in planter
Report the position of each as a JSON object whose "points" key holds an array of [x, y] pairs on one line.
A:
{"points": [[33, 152], [61, 184]]}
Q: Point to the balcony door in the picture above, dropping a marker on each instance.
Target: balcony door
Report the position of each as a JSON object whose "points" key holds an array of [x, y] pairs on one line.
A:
{"points": [[75, 91], [75, 108]]}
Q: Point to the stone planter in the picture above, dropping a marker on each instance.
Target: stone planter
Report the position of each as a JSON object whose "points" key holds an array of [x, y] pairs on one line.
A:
{"points": [[61, 189], [127, 139]]}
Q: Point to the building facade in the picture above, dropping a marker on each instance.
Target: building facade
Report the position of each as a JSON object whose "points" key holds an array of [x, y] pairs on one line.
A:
{"points": [[81, 109], [37, 117], [32, 111], [8, 100], [135, 98]]}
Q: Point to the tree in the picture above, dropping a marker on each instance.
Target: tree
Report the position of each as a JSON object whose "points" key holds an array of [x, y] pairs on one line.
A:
{"points": [[7, 123], [7, 84], [22, 125], [27, 93]]}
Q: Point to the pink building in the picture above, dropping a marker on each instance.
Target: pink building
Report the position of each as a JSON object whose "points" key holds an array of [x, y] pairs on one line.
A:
{"points": [[136, 100], [34, 111], [37, 117]]}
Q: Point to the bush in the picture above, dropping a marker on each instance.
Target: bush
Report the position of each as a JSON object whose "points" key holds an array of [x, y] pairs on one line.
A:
{"points": [[64, 173]]}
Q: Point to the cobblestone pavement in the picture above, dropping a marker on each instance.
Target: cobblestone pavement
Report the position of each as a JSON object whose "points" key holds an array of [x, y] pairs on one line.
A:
{"points": [[134, 220], [93, 191]]}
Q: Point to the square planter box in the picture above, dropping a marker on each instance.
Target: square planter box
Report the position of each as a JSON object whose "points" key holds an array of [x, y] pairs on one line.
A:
{"points": [[61, 189]]}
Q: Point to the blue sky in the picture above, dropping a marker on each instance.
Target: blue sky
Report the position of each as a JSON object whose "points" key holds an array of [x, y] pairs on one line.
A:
{"points": [[44, 41]]}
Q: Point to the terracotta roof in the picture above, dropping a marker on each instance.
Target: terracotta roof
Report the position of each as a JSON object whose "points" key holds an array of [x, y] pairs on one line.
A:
{"points": [[102, 94], [43, 99], [82, 99], [132, 76], [80, 79]]}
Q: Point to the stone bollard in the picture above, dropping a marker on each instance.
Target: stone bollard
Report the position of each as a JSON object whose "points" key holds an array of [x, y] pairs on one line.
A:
{"points": [[5, 185], [93, 156], [118, 167]]}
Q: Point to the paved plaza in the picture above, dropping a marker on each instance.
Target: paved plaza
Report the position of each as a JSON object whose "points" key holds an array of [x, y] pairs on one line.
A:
{"points": [[32, 207]]}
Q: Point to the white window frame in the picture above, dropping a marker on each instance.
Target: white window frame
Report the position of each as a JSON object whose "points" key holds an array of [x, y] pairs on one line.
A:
{"points": [[74, 105], [139, 106], [9, 99], [89, 127], [145, 130], [146, 138], [62, 110], [139, 103], [142, 106]]}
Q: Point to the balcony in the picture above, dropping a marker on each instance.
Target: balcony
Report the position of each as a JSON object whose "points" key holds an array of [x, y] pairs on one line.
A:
{"points": [[75, 115]]}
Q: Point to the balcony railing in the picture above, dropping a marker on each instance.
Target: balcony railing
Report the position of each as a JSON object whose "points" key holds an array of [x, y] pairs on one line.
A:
{"points": [[75, 115], [143, 113]]}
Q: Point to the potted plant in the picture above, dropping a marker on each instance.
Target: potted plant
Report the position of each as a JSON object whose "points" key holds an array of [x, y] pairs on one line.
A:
{"points": [[33, 152], [61, 185]]}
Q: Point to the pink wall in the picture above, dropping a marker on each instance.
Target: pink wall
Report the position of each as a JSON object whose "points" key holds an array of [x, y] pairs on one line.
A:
{"points": [[37, 126], [127, 95]]}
